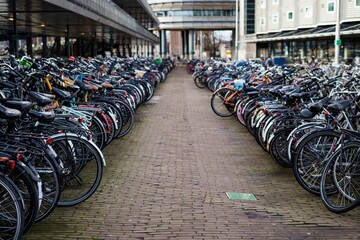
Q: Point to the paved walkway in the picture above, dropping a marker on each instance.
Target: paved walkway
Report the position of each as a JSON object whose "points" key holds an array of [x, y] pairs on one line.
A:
{"points": [[167, 180]]}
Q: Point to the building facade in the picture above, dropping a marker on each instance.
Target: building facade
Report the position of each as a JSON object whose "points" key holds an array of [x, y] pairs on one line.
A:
{"points": [[305, 30], [190, 18]]}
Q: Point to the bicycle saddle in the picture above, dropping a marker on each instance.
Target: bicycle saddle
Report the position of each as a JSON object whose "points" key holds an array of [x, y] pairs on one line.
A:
{"points": [[63, 95], [40, 99], [9, 113], [44, 117], [22, 106], [339, 105], [48, 95], [319, 105], [83, 86]]}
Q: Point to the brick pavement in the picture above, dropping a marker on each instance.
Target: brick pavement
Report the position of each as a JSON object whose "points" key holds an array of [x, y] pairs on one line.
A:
{"points": [[167, 180]]}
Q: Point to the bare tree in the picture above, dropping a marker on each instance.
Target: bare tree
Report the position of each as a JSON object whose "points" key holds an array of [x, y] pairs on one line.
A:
{"points": [[212, 42]]}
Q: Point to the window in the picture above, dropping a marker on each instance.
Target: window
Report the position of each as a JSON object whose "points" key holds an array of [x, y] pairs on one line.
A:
{"points": [[160, 14], [275, 1], [262, 3], [308, 11], [197, 13], [331, 6], [290, 15], [262, 21], [169, 13], [357, 3], [275, 18]]}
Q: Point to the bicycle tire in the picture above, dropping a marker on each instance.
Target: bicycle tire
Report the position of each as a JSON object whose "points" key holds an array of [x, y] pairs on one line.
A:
{"points": [[218, 104], [98, 131], [127, 118], [339, 188], [308, 164], [29, 192], [277, 148], [49, 172], [80, 160], [199, 81], [11, 208]]}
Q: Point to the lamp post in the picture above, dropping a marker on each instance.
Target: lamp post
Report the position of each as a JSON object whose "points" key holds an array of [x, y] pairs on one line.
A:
{"points": [[236, 29], [337, 34]]}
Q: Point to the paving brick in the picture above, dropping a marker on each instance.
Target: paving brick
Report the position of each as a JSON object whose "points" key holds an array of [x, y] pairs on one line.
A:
{"points": [[167, 180]]}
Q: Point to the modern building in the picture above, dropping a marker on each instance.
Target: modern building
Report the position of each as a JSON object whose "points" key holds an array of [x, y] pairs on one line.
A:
{"points": [[190, 18], [77, 27], [305, 30]]}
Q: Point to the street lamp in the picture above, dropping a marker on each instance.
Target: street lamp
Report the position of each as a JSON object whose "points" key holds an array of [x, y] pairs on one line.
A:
{"points": [[236, 29], [337, 34]]}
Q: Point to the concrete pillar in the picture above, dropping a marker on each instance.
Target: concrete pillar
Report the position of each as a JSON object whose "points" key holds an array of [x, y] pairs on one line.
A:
{"points": [[183, 44], [242, 46], [148, 49], [187, 44], [191, 44], [123, 48], [29, 49], [94, 47], [103, 47], [58, 46], [67, 42], [44, 46], [163, 43], [137, 46], [13, 40], [233, 47]]}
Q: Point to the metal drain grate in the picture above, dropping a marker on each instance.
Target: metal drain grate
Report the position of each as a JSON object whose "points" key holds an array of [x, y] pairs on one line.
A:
{"points": [[240, 196]]}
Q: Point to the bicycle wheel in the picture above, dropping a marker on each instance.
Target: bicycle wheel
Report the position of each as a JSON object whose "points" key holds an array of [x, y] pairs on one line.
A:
{"points": [[11, 210], [127, 116], [49, 172], [28, 188], [340, 182], [98, 132], [277, 148], [82, 166], [200, 81], [218, 104], [310, 158]]}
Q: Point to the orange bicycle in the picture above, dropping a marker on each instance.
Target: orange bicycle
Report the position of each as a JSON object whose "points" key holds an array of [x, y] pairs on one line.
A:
{"points": [[223, 101]]}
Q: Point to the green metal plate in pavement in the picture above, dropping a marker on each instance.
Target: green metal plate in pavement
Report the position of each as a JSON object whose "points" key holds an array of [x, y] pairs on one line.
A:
{"points": [[240, 196]]}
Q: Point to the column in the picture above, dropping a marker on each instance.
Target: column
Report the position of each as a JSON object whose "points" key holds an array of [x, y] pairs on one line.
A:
{"points": [[163, 43], [93, 47], [13, 40], [44, 46], [137, 47], [183, 44], [233, 46], [187, 44], [29, 49], [58, 46], [149, 54], [67, 42], [123, 44], [242, 45], [191, 43]]}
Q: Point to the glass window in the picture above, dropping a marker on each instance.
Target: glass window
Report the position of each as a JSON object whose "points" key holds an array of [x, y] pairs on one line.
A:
{"points": [[275, 18], [357, 3], [197, 13], [308, 11], [262, 3], [275, 1], [262, 21], [160, 14], [217, 13], [290, 15], [331, 6]]}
